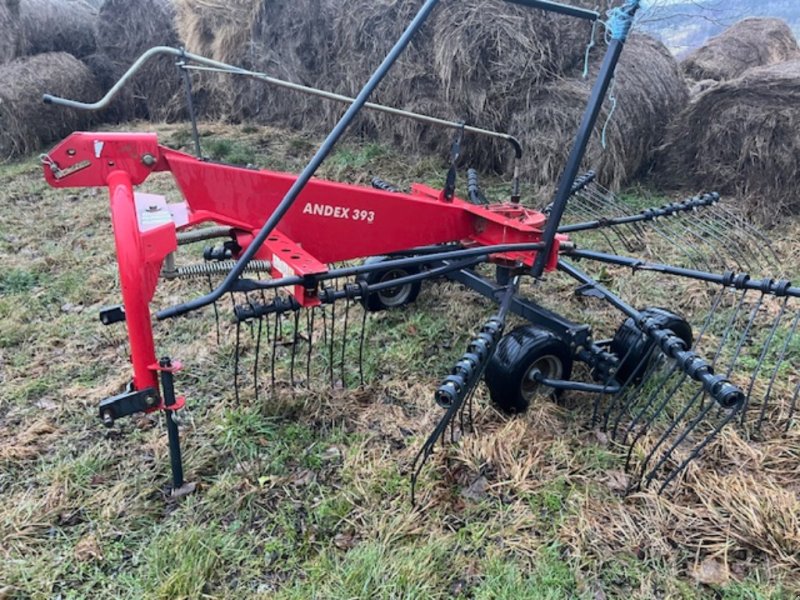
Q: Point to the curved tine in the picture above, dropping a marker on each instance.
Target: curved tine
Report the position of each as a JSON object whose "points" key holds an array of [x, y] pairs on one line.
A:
{"points": [[236, 363], [674, 224], [295, 341], [599, 397], [623, 390], [727, 237], [754, 231], [793, 407], [729, 328], [698, 449], [275, 334], [310, 328], [749, 235], [664, 437], [592, 215], [255, 362], [344, 341], [650, 402], [332, 338], [601, 211], [216, 310], [631, 395], [607, 199], [778, 364], [745, 240], [361, 344], [757, 371], [635, 399], [745, 335], [725, 244]]}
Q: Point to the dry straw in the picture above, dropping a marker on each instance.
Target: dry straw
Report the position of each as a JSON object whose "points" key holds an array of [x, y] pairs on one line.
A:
{"points": [[125, 30], [753, 42], [649, 91], [741, 137], [56, 26], [25, 122]]}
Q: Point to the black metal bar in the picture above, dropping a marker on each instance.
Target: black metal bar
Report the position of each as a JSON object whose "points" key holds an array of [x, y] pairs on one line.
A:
{"points": [[646, 215], [739, 281], [400, 263], [168, 389], [310, 169], [562, 9], [187, 85], [577, 386], [582, 139]]}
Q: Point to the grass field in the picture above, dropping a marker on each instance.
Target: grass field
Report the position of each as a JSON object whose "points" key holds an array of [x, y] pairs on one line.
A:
{"points": [[304, 494]]}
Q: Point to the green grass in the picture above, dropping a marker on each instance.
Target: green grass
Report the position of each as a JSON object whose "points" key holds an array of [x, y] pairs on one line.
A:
{"points": [[304, 493]]}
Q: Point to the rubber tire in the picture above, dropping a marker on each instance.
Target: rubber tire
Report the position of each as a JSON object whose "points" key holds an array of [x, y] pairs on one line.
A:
{"points": [[515, 355], [379, 301], [629, 335]]}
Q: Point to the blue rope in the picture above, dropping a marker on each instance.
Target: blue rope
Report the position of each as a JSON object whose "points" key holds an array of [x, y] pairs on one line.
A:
{"points": [[589, 49], [620, 20], [612, 97]]}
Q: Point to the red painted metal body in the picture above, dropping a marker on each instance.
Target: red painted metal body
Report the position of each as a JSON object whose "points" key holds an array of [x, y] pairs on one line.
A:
{"points": [[329, 222]]}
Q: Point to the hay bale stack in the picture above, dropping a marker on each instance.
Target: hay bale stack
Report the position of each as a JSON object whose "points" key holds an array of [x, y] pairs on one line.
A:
{"points": [[56, 26], [649, 90], [752, 42], [283, 38], [741, 137], [125, 30], [25, 122]]}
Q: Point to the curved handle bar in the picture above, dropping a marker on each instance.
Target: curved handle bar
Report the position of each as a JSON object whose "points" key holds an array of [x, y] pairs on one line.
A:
{"points": [[221, 67]]}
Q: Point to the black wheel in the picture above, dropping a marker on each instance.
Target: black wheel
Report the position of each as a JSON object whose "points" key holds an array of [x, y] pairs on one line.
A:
{"points": [[520, 356], [631, 345], [393, 297]]}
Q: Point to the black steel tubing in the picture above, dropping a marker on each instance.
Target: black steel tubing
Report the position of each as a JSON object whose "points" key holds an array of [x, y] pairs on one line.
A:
{"points": [[562, 9], [168, 389]]}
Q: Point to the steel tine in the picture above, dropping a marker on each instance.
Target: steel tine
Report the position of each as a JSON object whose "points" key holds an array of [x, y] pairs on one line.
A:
{"points": [[754, 231], [607, 200], [665, 436], [275, 334], [728, 238], [723, 245], [216, 310], [745, 335], [598, 211], [677, 227], [236, 363], [698, 449], [310, 325], [635, 399], [767, 345], [330, 345], [624, 389], [295, 341], [255, 362], [344, 340], [361, 344], [591, 215], [651, 402], [778, 363], [728, 328], [632, 395]]}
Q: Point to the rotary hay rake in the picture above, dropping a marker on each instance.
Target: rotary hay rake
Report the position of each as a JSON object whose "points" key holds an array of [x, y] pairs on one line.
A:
{"points": [[662, 390]]}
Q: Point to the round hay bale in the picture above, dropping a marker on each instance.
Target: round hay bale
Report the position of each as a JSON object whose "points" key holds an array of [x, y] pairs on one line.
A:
{"points": [[741, 137], [106, 74], [649, 90], [283, 38], [25, 122], [749, 43], [125, 30], [56, 26]]}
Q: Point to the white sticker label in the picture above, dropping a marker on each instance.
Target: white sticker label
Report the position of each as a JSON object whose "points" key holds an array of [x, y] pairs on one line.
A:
{"points": [[281, 266], [338, 212]]}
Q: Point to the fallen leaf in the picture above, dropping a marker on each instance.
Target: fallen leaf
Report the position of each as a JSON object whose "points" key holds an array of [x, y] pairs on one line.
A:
{"points": [[303, 478], [617, 481], [344, 541], [88, 549], [477, 490], [711, 572]]}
